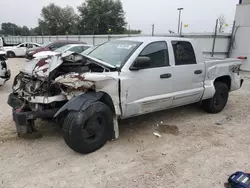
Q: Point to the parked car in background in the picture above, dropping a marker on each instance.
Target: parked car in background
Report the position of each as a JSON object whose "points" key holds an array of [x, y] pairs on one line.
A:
{"points": [[20, 50], [77, 48], [51, 46], [117, 80], [4, 71]]}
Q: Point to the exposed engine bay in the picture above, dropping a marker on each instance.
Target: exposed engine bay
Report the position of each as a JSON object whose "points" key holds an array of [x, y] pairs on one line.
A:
{"points": [[48, 83]]}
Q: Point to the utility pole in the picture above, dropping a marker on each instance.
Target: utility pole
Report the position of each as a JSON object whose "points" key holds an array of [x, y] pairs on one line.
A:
{"points": [[181, 28], [215, 34], [129, 30], [153, 29], [179, 21]]}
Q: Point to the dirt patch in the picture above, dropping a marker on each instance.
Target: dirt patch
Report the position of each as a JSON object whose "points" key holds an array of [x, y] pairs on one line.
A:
{"points": [[167, 129]]}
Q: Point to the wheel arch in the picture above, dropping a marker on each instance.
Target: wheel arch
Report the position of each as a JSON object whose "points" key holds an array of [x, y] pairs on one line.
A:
{"points": [[10, 51], [224, 79], [82, 102]]}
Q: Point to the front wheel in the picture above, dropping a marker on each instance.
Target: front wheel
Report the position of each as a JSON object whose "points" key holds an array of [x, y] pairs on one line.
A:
{"points": [[87, 131], [219, 100]]}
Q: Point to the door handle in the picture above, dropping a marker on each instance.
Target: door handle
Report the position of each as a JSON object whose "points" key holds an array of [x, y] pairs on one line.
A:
{"points": [[198, 72], [164, 76]]}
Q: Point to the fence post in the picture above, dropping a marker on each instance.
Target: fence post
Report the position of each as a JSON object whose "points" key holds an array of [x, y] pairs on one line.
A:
{"points": [[42, 38], [129, 30], [31, 38], [231, 41], [93, 40], [67, 37], [36, 38], [215, 34]]}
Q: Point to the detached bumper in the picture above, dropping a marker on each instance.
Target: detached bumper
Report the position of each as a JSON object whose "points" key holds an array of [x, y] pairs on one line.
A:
{"points": [[23, 119]]}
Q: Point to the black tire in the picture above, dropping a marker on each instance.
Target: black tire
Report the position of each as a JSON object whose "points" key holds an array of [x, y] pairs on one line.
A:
{"points": [[219, 100], [11, 54], [87, 131]]}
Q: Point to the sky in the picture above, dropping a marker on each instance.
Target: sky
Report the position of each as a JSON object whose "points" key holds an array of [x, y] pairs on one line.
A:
{"points": [[200, 15]]}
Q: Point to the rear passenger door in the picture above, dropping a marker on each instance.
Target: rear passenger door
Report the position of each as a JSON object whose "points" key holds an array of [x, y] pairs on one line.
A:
{"points": [[188, 75]]}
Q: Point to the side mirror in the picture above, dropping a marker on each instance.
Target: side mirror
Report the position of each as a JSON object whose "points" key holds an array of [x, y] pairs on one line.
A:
{"points": [[141, 63]]}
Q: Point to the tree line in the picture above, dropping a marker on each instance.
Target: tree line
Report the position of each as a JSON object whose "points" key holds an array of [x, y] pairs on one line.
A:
{"points": [[93, 17]]}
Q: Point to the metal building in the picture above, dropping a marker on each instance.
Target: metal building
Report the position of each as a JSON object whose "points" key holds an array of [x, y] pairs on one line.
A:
{"points": [[241, 37]]}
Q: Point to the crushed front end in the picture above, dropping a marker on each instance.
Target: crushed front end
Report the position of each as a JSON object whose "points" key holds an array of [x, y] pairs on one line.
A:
{"points": [[47, 84], [33, 98]]}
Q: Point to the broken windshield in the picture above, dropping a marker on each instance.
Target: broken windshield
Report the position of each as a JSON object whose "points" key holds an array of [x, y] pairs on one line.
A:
{"points": [[115, 52]]}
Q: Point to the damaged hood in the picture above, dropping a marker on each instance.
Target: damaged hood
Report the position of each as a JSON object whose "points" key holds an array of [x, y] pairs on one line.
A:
{"points": [[84, 80], [47, 63]]}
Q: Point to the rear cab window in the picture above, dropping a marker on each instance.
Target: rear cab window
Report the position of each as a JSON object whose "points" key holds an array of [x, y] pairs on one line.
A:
{"points": [[183, 53]]}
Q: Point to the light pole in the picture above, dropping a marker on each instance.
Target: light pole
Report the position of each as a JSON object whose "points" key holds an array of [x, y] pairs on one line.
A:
{"points": [[179, 22]]}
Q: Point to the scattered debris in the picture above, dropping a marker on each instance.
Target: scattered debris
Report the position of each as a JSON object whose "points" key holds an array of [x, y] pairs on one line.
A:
{"points": [[157, 134], [167, 129], [224, 120]]}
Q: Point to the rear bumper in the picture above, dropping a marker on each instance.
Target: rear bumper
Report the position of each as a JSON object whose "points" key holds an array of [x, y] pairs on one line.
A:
{"points": [[236, 83]]}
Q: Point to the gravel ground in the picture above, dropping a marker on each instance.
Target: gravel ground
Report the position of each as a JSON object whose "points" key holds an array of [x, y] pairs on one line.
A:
{"points": [[196, 149]]}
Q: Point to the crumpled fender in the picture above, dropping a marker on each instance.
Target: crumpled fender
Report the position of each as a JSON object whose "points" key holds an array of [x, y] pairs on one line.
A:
{"points": [[80, 103]]}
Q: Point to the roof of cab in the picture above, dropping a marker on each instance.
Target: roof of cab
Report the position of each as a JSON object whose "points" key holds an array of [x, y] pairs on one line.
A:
{"points": [[153, 39]]}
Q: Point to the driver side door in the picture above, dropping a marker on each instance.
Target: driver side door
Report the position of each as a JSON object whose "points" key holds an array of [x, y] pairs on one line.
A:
{"points": [[149, 88], [21, 49]]}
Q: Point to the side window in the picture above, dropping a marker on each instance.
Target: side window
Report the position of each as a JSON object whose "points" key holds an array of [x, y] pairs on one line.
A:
{"points": [[23, 45], [29, 45], [183, 53], [158, 53], [85, 47], [77, 49]]}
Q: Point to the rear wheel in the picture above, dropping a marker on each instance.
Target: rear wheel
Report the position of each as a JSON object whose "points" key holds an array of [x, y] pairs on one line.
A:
{"points": [[219, 100], [87, 131], [11, 54]]}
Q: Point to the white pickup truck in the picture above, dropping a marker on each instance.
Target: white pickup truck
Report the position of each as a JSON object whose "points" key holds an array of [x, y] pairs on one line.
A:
{"points": [[119, 79]]}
